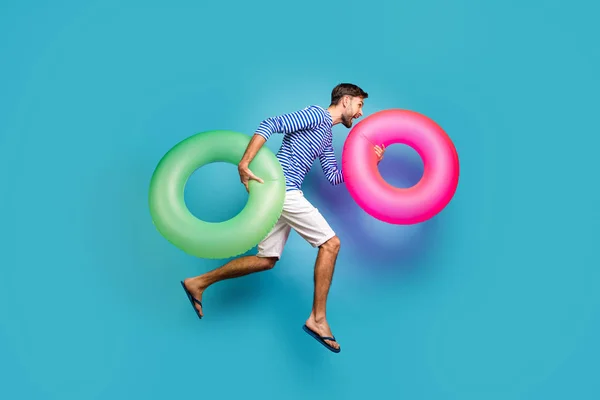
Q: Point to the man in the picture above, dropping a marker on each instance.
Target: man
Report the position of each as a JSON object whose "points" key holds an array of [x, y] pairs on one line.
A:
{"points": [[307, 136]]}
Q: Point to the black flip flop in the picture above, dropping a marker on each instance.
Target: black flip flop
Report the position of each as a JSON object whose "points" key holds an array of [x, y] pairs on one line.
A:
{"points": [[321, 339], [192, 300]]}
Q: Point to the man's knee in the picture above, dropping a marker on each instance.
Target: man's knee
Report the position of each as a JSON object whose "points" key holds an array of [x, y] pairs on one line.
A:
{"points": [[332, 245], [267, 262]]}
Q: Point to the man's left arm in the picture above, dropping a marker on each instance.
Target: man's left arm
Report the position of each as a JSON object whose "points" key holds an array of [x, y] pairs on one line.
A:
{"points": [[330, 166]]}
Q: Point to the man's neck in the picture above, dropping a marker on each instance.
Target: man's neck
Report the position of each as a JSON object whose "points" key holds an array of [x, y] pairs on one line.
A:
{"points": [[336, 114]]}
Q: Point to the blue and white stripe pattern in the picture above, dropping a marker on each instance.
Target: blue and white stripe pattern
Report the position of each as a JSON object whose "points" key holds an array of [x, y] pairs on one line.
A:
{"points": [[307, 136]]}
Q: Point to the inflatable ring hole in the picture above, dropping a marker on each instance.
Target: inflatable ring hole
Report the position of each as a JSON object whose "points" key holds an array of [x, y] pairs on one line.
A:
{"points": [[214, 193], [402, 166]]}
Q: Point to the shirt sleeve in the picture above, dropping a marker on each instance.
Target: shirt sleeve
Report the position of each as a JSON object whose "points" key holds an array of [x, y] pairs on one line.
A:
{"points": [[330, 166], [307, 118]]}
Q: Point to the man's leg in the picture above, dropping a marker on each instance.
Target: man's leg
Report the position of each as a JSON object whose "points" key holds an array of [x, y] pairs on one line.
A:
{"points": [[269, 251], [324, 267], [235, 268], [305, 219]]}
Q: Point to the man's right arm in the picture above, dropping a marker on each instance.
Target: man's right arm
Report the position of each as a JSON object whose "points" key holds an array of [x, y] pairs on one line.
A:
{"points": [[307, 118]]}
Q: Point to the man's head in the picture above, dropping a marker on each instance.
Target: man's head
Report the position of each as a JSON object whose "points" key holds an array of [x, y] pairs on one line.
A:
{"points": [[347, 100]]}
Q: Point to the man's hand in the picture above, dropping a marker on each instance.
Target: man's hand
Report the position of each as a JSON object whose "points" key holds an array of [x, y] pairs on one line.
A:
{"points": [[246, 175], [379, 150]]}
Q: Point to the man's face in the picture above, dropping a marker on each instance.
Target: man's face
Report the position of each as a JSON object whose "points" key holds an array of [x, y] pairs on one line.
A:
{"points": [[352, 110]]}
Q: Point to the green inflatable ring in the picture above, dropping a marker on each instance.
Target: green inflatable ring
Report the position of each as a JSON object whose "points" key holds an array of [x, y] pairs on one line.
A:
{"points": [[235, 236]]}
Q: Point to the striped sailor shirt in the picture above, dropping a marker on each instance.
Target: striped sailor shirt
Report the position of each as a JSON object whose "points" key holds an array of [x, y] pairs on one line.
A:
{"points": [[307, 136]]}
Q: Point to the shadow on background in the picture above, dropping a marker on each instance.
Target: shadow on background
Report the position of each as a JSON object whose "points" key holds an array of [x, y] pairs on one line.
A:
{"points": [[380, 246]]}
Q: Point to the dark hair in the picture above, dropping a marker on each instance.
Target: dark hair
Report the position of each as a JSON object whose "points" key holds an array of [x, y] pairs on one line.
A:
{"points": [[346, 89]]}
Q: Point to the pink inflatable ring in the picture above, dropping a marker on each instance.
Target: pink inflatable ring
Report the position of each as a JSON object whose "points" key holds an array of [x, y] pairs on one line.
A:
{"points": [[382, 200]]}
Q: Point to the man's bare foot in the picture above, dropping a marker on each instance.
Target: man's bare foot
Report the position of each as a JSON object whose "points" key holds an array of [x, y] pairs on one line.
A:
{"points": [[196, 288], [321, 327]]}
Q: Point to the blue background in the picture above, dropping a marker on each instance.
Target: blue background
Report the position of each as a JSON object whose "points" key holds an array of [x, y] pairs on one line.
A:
{"points": [[495, 298]]}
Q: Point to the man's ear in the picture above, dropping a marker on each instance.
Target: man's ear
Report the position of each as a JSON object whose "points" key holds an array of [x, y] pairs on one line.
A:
{"points": [[346, 101]]}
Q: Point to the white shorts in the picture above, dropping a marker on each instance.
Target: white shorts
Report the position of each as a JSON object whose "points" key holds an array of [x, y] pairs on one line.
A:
{"points": [[300, 214]]}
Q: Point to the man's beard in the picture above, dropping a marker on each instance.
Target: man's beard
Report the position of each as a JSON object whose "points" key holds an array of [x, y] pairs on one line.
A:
{"points": [[347, 120]]}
